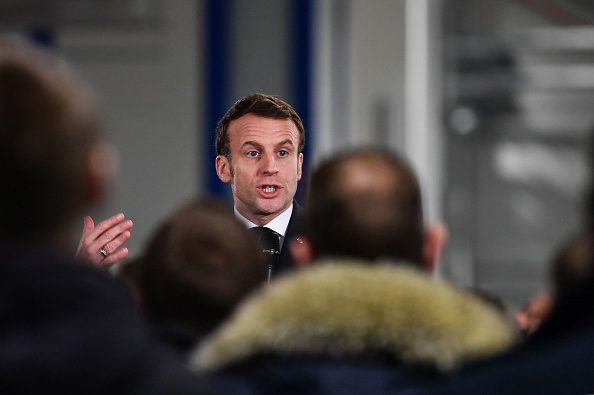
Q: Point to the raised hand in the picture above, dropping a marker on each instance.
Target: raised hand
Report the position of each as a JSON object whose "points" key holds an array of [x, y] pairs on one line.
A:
{"points": [[101, 245]]}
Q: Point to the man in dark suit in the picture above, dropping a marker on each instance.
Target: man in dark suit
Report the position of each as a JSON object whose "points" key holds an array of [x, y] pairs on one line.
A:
{"points": [[259, 143]]}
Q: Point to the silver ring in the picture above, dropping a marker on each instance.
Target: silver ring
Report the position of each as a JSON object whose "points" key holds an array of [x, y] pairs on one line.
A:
{"points": [[103, 252]]}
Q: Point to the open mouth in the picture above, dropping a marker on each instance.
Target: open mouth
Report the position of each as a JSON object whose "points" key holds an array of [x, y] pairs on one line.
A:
{"points": [[268, 188]]}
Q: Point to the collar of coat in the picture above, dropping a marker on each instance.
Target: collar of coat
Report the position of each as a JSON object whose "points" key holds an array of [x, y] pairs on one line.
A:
{"points": [[349, 309]]}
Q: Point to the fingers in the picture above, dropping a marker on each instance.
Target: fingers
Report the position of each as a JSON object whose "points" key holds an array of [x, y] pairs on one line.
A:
{"points": [[108, 236], [113, 244], [114, 258], [115, 236], [106, 225], [111, 241]]}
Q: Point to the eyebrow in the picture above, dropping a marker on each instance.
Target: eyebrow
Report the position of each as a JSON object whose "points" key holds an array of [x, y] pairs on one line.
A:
{"points": [[285, 142], [259, 146], [252, 144]]}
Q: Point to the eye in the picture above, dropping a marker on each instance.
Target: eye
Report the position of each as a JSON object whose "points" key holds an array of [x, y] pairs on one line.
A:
{"points": [[283, 153], [252, 154]]}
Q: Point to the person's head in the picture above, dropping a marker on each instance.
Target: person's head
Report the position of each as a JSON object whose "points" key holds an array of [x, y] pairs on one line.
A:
{"points": [[366, 204], [198, 264], [258, 144], [573, 264], [51, 162]]}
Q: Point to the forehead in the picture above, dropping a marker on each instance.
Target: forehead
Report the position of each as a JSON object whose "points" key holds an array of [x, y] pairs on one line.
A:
{"points": [[252, 127]]}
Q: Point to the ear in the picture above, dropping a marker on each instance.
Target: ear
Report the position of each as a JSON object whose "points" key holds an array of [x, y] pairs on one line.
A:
{"points": [[301, 251], [223, 168], [435, 240], [299, 166], [102, 164]]}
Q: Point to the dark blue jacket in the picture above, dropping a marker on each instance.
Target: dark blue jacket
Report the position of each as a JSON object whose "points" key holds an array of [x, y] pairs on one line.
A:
{"points": [[305, 375], [557, 360], [67, 328]]}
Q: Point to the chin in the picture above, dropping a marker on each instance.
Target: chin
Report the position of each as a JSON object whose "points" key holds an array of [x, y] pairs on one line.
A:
{"points": [[267, 210]]}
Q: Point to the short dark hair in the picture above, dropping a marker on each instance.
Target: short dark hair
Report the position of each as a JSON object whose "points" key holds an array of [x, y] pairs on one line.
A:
{"points": [[259, 104], [574, 262], [197, 266], [379, 217], [48, 125]]}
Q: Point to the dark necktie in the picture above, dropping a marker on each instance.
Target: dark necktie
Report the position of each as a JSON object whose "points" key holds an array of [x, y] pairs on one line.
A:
{"points": [[269, 242]]}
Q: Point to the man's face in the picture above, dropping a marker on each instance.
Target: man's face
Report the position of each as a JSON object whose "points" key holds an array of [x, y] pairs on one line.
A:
{"points": [[264, 166]]}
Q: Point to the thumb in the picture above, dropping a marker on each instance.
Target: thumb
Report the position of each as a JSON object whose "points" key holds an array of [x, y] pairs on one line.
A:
{"points": [[89, 225]]}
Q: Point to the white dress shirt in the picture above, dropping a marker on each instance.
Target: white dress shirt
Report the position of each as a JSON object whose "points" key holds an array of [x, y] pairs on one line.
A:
{"points": [[278, 224]]}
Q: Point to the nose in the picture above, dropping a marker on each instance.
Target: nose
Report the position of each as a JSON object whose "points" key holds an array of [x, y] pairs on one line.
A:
{"points": [[269, 164]]}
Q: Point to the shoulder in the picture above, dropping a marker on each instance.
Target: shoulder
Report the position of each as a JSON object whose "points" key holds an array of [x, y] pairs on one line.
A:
{"points": [[267, 374], [297, 221], [298, 208]]}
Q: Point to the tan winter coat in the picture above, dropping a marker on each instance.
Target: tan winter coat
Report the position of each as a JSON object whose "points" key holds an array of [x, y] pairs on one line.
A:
{"points": [[348, 309]]}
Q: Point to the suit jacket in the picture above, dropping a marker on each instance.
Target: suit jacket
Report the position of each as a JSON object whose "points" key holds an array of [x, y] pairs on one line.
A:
{"points": [[296, 228]]}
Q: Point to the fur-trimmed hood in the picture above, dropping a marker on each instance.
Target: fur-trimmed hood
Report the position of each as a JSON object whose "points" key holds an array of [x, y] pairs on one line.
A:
{"points": [[348, 309]]}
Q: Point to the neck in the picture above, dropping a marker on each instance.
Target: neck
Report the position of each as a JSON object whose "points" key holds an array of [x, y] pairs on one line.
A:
{"points": [[257, 219]]}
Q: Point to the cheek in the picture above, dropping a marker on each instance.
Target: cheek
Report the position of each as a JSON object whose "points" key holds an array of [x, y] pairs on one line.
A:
{"points": [[295, 176], [240, 175]]}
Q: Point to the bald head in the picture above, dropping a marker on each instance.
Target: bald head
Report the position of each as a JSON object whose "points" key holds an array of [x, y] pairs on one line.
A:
{"points": [[366, 204]]}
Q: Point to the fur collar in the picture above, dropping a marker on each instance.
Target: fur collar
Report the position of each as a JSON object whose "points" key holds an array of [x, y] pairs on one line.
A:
{"points": [[349, 309]]}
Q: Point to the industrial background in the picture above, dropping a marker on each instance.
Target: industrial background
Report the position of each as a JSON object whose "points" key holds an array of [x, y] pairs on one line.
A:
{"points": [[491, 100]]}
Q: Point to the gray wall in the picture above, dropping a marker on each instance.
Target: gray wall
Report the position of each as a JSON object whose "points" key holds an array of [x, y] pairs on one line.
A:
{"points": [[149, 83]]}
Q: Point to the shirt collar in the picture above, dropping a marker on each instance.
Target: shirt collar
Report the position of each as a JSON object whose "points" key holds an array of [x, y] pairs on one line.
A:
{"points": [[278, 224]]}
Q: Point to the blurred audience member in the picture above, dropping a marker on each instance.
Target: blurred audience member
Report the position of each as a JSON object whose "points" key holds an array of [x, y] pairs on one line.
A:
{"points": [[196, 268], [556, 358], [571, 266], [366, 318], [67, 328], [574, 263]]}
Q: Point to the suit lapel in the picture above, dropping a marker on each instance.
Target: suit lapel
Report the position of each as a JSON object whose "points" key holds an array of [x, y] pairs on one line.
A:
{"points": [[296, 227]]}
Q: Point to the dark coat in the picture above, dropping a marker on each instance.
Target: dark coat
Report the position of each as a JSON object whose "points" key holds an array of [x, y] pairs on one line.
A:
{"points": [[67, 328], [350, 328], [271, 374], [556, 360], [296, 228]]}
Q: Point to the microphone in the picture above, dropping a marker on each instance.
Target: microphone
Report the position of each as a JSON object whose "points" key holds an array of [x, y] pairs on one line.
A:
{"points": [[269, 242], [271, 248]]}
